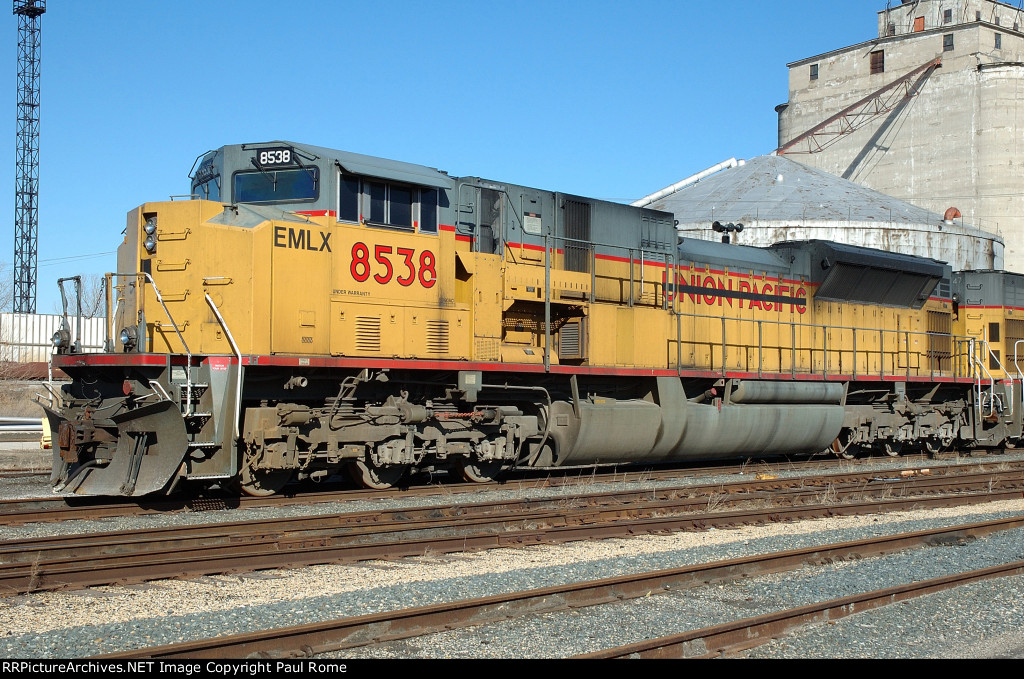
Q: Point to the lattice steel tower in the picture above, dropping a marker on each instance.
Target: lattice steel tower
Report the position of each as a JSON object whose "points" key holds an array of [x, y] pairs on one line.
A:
{"points": [[26, 196]]}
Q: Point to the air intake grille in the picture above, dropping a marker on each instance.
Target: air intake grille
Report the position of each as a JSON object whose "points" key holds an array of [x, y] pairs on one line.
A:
{"points": [[437, 337], [940, 341], [487, 349], [569, 340], [368, 333], [874, 285], [577, 233]]}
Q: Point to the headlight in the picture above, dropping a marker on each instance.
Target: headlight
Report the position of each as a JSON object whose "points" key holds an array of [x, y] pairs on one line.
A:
{"points": [[150, 225], [150, 244], [129, 336], [61, 339]]}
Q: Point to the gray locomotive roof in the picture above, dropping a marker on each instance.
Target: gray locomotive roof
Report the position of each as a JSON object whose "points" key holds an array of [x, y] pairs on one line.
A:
{"points": [[862, 256], [371, 166], [734, 256], [775, 188]]}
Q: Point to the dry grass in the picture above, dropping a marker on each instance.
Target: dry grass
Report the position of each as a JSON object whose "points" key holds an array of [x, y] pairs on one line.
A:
{"points": [[829, 497], [33, 580], [17, 399], [570, 503]]}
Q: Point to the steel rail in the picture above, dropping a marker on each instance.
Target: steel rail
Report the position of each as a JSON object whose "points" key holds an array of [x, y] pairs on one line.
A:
{"points": [[498, 515], [480, 516], [32, 510], [742, 635], [13, 512], [130, 565], [333, 635]]}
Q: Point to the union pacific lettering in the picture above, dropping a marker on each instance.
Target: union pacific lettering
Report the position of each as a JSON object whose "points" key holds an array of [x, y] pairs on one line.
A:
{"points": [[702, 289]]}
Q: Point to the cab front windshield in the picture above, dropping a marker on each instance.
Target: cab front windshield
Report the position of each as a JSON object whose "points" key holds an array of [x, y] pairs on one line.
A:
{"points": [[277, 186]]}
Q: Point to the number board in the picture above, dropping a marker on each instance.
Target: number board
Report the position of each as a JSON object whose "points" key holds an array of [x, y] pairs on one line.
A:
{"points": [[274, 157]]}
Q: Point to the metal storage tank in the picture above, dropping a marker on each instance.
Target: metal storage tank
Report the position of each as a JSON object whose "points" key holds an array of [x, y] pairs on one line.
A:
{"points": [[777, 199]]}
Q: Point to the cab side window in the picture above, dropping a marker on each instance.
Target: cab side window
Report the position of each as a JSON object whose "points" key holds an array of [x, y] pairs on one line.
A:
{"points": [[388, 204]]}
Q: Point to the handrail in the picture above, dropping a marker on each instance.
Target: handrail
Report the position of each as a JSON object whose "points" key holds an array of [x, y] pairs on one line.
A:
{"points": [[1020, 375], [234, 347], [993, 356], [589, 243], [108, 301], [670, 263], [816, 343], [78, 310], [592, 245], [547, 304], [508, 199], [158, 387], [992, 380], [188, 352]]}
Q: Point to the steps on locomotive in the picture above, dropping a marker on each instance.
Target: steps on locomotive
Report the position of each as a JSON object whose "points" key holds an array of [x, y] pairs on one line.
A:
{"points": [[199, 421]]}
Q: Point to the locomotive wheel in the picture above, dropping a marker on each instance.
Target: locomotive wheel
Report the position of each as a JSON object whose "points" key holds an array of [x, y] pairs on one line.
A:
{"points": [[843, 446], [261, 483], [892, 448], [372, 476], [476, 471], [850, 453]]}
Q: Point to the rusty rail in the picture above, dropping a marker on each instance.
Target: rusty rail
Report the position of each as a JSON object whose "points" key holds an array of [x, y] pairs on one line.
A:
{"points": [[742, 635], [32, 510], [139, 556], [333, 635]]}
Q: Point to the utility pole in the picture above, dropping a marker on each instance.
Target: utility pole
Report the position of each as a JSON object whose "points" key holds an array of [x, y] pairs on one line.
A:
{"points": [[26, 196]]}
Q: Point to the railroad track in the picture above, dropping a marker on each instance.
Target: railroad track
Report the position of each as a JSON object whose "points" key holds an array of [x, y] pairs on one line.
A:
{"points": [[68, 508], [135, 556], [742, 635], [49, 509], [16, 472], [354, 632]]}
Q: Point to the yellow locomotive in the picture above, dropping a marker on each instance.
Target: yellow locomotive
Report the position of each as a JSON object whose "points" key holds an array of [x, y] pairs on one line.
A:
{"points": [[312, 310]]}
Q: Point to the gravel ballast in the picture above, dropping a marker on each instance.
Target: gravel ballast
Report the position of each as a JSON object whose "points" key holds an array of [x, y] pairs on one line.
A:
{"points": [[980, 620], [107, 619]]}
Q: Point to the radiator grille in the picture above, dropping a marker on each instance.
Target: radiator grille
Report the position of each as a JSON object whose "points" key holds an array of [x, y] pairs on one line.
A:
{"points": [[437, 337], [940, 343], [368, 333], [569, 340]]}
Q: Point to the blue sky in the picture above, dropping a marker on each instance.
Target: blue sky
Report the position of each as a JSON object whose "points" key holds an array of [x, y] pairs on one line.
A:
{"points": [[613, 100]]}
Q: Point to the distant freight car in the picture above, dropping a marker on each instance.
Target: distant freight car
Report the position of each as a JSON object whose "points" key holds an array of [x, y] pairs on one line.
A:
{"points": [[315, 310]]}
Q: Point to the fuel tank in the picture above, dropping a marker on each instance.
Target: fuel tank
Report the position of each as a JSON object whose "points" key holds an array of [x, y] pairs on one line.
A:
{"points": [[769, 419]]}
